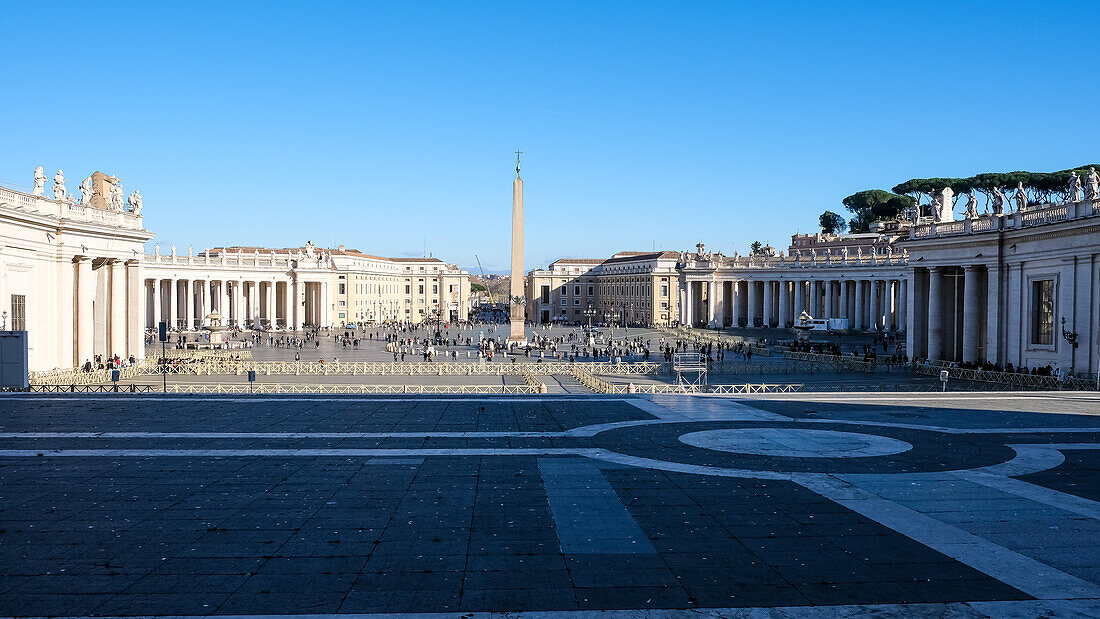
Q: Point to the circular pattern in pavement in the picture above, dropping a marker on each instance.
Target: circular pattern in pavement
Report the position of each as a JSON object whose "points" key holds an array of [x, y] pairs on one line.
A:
{"points": [[792, 447], [796, 443]]}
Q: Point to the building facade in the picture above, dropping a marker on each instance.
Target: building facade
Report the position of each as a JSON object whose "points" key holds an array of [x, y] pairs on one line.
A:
{"points": [[75, 276], [301, 287], [634, 288], [71, 274]]}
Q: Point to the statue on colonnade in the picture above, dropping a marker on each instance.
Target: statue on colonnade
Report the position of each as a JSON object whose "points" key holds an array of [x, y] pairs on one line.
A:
{"points": [[1020, 197], [116, 198], [59, 191], [998, 201], [135, 202], [86, 191], [1074, 187], [39, 181], [1092, 182], [971, 205]]}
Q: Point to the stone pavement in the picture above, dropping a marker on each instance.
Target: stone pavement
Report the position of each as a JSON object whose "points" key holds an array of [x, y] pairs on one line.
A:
{"points": [[959, 505]]}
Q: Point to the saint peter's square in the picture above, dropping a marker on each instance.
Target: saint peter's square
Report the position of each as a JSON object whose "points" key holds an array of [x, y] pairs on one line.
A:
{"points": [[277, 340]]}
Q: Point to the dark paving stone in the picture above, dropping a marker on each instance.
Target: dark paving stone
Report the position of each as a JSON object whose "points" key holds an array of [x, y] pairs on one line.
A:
{"points": [[194, 535], [1078, 475]]}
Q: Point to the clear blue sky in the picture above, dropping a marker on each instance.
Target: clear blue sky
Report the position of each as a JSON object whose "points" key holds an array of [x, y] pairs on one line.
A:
{"points": [[391, 127]]}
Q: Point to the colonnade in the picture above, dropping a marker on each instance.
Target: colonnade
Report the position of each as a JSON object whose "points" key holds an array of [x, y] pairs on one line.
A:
{"points": [[956, 311], [106, 309], [872, 303], [273, 304]]}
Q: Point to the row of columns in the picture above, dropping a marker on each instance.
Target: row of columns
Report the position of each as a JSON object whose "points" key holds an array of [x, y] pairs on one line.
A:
{"points": [[878, 304], [185, 303], [107, 307], [956, 311]]}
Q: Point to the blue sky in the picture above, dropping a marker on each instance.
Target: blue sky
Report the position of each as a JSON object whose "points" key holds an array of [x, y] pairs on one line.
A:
{"points": [[391, 128]]}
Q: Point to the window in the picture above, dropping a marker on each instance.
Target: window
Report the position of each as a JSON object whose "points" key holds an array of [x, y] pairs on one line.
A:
{"points": [[341, 291], [577, 289], [435, 288], [421, 288], [1042, 311], [564, 289], [664, 290], [564, 301], [18, 312], [407, 289], [590, 291], [545, 294]]}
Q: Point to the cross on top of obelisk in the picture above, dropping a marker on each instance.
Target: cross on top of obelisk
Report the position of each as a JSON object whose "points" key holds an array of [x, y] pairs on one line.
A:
{"points": [[518, 153]]}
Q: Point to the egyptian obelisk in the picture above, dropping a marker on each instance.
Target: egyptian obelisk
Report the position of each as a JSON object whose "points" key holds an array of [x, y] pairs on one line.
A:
{"points": [[518, 298]]}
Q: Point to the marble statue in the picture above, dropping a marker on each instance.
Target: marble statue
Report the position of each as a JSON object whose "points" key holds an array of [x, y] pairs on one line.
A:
{"points": [[59, 191], [190, 248], [937, 205], [998, 201], [135, 202], [845, 253], [116, 198], [1074, 187], [1092, 182], [1021, 197], [971, 205], [86, 191], [39, 181]]}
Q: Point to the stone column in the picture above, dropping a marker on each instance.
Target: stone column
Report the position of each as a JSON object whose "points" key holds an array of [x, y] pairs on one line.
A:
{"points": [[203, 291], [189, 305], [799, 290], [294, 305], [971, 311], [845, 290], [735, 302], [784, 304], [877, 306], [173, 303], [156, 303], [993, 352], [118, 309], [766, 287], [85, 319], [935, 313], [135, 310], [751, 303], [238, 297], [858, 319], [903, 305], [326, 303], [830, 296], [685, 305], [272, 288]]}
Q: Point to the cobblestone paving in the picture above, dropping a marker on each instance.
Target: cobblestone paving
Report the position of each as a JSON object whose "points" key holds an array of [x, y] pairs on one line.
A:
{"points": [[909, 506]]}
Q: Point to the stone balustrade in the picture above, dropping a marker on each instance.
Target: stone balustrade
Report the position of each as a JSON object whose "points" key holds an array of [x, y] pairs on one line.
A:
{"points": [[1034, 216], [60, 209]]}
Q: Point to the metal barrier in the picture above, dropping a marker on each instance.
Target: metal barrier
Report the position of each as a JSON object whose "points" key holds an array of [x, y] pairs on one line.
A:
{"points": [[285, 388], [838, 361], [113, 388], [1027, 381]]}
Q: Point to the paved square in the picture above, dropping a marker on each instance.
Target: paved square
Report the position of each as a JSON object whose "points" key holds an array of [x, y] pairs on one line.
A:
{"points": [[971, 505]]}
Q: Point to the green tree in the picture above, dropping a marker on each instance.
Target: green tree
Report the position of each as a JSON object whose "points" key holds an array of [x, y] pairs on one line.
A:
{"points": [[873, 205], [755, 247], [475, 287], [832, 223]]}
